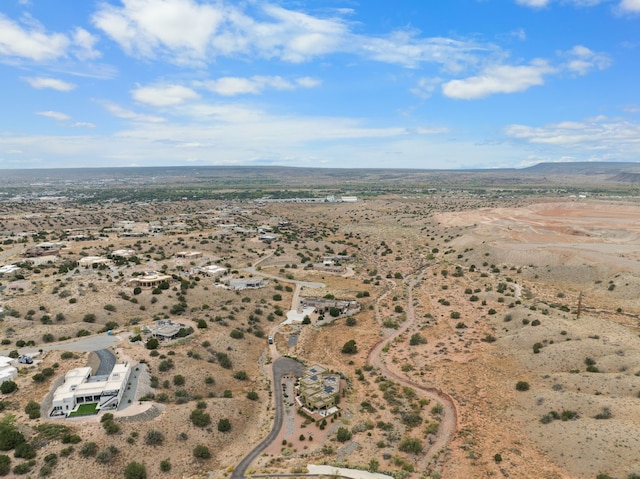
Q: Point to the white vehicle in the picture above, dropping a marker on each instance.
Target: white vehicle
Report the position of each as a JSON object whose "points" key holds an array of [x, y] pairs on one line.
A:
{"points": [[24, 359], [270, 339]]}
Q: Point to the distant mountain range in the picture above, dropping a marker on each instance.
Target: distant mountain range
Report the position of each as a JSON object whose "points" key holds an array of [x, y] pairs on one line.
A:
{"points": [[550, 175]]}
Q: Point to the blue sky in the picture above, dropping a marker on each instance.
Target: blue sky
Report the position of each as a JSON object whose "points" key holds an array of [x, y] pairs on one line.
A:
{"points": [[333, 83]]}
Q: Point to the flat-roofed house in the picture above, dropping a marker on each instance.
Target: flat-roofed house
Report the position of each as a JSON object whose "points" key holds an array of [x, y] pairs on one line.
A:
{"points": [[80, 387], [319, 389], [149, 280], [238, 284]]}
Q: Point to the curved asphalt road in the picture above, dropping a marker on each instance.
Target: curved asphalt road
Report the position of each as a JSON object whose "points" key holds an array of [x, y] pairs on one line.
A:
{"points": [[281, 367]]}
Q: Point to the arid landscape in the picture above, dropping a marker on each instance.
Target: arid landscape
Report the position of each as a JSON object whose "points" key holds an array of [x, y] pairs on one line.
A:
{"points": [[496, 335]]}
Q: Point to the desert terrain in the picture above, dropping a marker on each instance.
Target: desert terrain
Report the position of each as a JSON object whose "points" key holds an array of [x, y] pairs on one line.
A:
{"points": [[497, 333]]}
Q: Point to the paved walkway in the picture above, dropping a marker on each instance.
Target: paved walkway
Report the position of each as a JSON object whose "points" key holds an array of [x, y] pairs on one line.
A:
{"points": [[343, 471]]}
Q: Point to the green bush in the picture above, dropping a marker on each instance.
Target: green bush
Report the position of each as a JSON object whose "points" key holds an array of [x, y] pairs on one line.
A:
{"points": [[522, 386], [10, 437], [154, 438], [343, 434], [135, 470], [165, 466], [70, 439], [24, 450], [224, 425], [153, 343], [5, 464], [32, 409], [7, 387], [252, 395], [200, 418], [201, 452], [350, 347], [89, 449], [66, 355], [240, 375], [178, 380], [411, 445], [236, 334]]}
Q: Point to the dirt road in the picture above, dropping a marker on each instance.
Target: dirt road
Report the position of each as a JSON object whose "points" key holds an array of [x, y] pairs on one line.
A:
{"points": [[449, 415]]}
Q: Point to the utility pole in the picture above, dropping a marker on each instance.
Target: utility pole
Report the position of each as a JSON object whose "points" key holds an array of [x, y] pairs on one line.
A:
{"points": [[579, 305]]}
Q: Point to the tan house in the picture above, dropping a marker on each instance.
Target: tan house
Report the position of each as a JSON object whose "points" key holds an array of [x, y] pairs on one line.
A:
{"points": [[319, 389], [149, 280]]}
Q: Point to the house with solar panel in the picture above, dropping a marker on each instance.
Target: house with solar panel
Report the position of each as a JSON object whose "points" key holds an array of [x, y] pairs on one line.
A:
{"points": [[319, 390]]}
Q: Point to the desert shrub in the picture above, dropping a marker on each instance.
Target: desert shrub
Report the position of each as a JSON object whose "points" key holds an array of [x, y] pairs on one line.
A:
{"points": [[10, 437], [24, 450], [153, 343], [7, 387], [411, 445], [32, 409], [416, 339], [111, 427], [522, 386], [236, 334], [224, 360], [252, 395], [89, 449], [66, 355], [224, 425], [604, 414], [200, 418], [178, 380], [89, 318], [165, 466], [22, 468], [5, 464], [343, 434], [70, 439], [165, 365], [105, 455], [154, 438], [350, 347], [454, 315], [135, 470], [201, 452], [411, 419], [240, 375]]}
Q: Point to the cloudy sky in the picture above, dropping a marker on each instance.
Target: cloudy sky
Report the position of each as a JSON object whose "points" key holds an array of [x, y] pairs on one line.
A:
{"points": [[335, 83]]}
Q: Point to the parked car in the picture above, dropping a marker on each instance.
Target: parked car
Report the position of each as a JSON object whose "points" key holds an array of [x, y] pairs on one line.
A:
{"points": [[24, 359]]}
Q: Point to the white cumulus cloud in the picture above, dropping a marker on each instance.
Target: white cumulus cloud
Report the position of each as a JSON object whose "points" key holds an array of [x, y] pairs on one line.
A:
{"points": [[498, 79], [630, 6], [582, 60], [52, 83], [231, 86], [163, 95], [120, 112], [56, 115], [32, 43], [533, 3]]}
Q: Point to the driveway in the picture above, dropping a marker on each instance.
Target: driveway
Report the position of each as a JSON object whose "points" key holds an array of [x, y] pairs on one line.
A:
{"points": [[281, 367], [86, 344]]}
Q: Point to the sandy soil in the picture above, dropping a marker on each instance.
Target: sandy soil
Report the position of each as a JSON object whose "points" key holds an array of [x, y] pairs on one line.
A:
{"points": [[499, 276]]}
